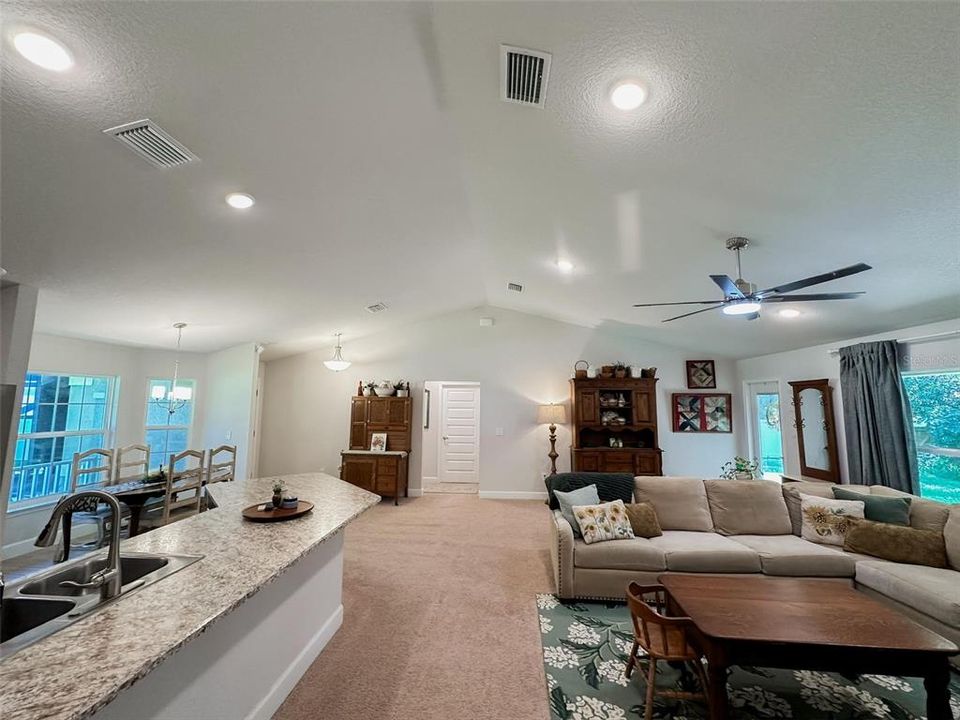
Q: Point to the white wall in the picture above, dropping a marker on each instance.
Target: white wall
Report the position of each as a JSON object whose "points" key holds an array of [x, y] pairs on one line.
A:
{"points": [[229, 400], [520, 362], [818, 362]]}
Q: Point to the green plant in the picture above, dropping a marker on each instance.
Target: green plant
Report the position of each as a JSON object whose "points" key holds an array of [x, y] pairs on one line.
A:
{"points": [[400, 385], [740, 466], [278, 487], [619, 366], [370, 385]]}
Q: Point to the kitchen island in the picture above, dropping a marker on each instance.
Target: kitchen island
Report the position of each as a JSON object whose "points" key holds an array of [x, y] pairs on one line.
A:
{"points": [[225, 638]]}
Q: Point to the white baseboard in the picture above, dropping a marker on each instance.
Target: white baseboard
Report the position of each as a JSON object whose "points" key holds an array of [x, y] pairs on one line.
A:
{"points": [[511, 495], [278, 692], [18, 548], [414, 492]]}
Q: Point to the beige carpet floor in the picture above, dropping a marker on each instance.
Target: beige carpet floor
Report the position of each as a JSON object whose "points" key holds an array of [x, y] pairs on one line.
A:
{"points": [[439, 616]]}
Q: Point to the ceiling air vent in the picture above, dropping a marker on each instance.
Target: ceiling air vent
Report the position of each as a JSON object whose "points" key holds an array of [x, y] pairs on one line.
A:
{"points": [[516, 287], [148, 140], [376, 307], [523, 75]]}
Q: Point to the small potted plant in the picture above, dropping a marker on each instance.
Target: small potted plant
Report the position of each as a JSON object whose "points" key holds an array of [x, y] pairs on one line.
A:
{"points": [[368, 389], [741, 469], [277, 493], [402, 387], [619, 370]]}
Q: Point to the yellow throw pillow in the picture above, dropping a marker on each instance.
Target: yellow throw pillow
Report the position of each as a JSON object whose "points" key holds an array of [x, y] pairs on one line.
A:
{"points": [[897, 543], [607, 521], [643, 520]]}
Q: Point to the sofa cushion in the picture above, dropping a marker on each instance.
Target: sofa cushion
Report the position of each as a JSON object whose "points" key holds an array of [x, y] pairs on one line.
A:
{"points": [[643, 520], [747, 507], [896, 543], [600, 523], [610, 486], [791, 496], [932, 591], [924, 514], [633, 554], [879, 508], [951, 537], [825, 520], [581, 496], [680, 502], [792, 556], [688, 551]]}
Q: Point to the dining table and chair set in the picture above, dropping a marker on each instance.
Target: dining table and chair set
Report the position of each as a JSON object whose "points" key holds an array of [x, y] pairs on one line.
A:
{"points": [[148, 500]]}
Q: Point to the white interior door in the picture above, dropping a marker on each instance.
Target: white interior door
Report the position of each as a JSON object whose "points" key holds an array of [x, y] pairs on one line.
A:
{"points": [[459, 454]]}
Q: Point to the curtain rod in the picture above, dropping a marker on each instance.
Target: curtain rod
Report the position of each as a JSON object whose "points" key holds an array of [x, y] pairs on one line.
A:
{"points": [[919, 339]]}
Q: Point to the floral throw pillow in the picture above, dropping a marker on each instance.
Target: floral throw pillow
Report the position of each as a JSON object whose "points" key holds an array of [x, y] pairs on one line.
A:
{"points": [[826, 521], [607, 521]]}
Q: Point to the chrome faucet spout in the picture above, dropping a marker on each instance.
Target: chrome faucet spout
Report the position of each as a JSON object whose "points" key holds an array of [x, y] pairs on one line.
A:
{"points": [[108, 580]]}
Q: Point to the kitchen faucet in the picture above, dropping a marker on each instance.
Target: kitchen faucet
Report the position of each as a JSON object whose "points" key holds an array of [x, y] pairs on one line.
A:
{"points": [[108, 579]]}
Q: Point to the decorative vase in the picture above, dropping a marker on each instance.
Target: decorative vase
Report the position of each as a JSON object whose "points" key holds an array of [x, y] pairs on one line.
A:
{"points": [[620, 373], [743, 476], [277, 499], [636, 371], [592, 372], [367, 392], [403, 393]]}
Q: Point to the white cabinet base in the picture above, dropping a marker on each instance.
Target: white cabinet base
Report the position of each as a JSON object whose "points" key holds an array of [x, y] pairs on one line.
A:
{"points": [[245, 665]]}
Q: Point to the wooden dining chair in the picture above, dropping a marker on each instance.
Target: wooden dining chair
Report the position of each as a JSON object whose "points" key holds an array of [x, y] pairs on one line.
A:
{"points": [[663, 638], [222, 464], [131, 463], [184, 491], [90, 470]]}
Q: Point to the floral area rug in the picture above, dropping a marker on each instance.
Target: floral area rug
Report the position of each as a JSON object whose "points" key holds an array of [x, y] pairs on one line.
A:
{"points": [[585, 649]]}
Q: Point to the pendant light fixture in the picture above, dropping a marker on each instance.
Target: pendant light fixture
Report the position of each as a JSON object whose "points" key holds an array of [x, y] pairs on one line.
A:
{"points": [[337, 363], [176, 397]]}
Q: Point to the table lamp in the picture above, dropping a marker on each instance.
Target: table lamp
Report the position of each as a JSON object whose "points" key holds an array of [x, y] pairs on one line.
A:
{"points": [[552, 414]]}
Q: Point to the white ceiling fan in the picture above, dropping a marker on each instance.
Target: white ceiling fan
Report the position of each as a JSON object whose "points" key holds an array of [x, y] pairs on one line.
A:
{"points": [[742, 298]]}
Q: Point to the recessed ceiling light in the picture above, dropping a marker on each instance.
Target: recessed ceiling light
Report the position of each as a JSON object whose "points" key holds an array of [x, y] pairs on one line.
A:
{"points": [[789, 313], [744, 307], [628, 95], [565, 266], [240, 201], [43, 51]]}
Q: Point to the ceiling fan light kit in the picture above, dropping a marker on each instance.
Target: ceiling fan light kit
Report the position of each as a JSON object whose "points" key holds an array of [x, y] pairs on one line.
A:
{"points": [[742, 298]]}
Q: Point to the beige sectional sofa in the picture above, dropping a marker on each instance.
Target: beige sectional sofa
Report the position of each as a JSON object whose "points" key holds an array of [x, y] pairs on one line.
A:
{"points": [[753, 527]]}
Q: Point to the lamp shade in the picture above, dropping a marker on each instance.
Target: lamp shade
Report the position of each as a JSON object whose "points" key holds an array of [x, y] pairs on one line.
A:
{"points": [[551, 414]]}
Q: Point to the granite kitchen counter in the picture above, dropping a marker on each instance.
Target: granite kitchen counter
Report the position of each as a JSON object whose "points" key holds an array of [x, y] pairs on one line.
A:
{"points": [[73, 673]]}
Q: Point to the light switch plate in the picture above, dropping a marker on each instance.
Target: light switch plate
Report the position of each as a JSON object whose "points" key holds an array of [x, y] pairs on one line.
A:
{"points": [[499, 432]]}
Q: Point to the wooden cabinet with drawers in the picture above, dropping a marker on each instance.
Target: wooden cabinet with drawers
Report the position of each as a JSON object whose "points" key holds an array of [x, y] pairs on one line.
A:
{"points": [[615, 426], [383, 473]]}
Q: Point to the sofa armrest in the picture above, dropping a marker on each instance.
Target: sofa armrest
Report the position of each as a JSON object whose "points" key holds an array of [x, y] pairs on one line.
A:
{"points": [[561, 553]]}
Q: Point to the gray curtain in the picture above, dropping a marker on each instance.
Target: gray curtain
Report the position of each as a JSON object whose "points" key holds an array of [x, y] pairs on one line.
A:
{"points": [[877, 420]]}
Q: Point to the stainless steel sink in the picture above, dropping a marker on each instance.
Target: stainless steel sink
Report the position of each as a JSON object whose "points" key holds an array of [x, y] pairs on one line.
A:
{"points": [[132, 568], [20, 615], [40, 605]]}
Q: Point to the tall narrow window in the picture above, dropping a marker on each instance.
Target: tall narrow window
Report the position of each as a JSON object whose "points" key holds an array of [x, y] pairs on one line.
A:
{"points": [[935, 402], [766, 440], [168, 432], [59, 415]]}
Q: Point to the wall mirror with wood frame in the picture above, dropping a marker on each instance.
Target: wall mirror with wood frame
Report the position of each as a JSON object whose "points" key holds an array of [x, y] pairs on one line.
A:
{"points": [[816, 430]]}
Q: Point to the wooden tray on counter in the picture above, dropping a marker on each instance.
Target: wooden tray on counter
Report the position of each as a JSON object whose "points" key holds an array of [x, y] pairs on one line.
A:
{"points": [[278, 514]]}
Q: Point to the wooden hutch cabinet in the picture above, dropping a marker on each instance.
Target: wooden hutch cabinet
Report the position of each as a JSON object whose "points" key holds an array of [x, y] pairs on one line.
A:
{"points": [[615, 426], [383, 473]]}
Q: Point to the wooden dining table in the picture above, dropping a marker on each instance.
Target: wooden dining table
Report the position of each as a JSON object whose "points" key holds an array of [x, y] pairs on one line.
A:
{"points": [[134, 495]]}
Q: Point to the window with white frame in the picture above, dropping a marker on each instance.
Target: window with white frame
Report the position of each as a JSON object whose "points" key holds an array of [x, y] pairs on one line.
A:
{"points": [[169, 418], [60, 415]]}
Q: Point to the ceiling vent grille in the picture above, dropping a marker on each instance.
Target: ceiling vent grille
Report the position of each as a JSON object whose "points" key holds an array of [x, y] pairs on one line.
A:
{"points": [[515, 287], [150, 142], [523, 75], [376, 307]]}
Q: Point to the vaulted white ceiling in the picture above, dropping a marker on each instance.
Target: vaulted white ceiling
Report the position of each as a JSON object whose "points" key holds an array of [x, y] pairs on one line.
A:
{"points": [[385, 167]]}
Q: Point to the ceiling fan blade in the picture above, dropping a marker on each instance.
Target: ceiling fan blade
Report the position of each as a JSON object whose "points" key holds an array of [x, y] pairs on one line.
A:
{"points": [[695, 312], [728, 286], [816, 279], [814, 296], [689, 302]]}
